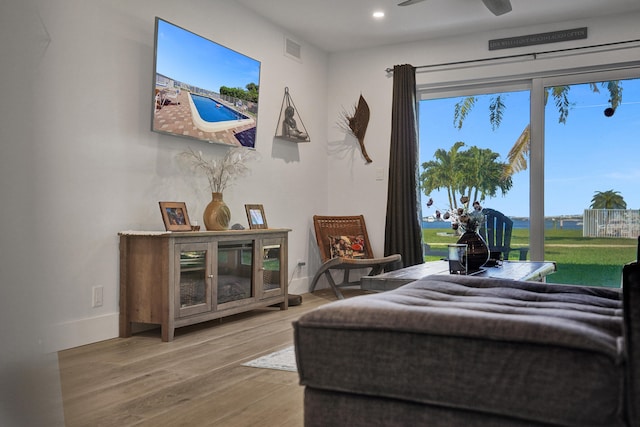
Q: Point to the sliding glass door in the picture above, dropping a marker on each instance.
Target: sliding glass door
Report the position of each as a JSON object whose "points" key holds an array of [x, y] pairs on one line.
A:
{"points": [[478, 127], [591, 194], [570, 146]]}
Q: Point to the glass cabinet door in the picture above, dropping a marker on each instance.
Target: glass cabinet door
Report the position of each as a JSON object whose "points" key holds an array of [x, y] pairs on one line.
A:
{"points": [[193, 293], [235, 266], [271, 267]]}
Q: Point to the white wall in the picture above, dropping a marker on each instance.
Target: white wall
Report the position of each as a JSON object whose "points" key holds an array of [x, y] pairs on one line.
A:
{"points": [[82, 149], [353, 184]]}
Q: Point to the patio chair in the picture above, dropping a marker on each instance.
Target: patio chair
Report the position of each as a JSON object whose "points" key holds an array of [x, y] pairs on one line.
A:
{"points": [[497, 232], [344, 245]]}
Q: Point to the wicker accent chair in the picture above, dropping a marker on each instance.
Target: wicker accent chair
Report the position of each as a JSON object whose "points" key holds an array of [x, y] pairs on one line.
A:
{"points": [[344, 245], [497, 233]]}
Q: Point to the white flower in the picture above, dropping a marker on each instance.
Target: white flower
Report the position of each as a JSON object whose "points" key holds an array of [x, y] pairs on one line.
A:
{"points": [[464, 218]]}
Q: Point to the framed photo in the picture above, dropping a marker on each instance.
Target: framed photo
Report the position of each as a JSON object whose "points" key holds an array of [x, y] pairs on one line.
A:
{"points": [[255, 216], [175, 217]]}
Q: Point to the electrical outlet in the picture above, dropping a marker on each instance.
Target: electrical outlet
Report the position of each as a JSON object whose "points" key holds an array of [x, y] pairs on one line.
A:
{"points": [[97, 296]]}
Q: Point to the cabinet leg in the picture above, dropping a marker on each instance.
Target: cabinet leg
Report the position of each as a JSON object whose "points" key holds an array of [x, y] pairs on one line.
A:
{"points": [[285, 304], [167, 333]]}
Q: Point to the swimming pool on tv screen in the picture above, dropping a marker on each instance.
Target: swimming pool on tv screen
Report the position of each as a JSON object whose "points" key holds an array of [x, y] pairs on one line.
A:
{"points": [[214, 111]]}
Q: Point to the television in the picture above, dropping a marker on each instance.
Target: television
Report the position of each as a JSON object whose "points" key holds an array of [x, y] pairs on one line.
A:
{"points": [[203, 90]]}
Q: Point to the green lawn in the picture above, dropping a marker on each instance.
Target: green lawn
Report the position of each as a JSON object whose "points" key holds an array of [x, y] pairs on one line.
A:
{"points": [[580, 260]]}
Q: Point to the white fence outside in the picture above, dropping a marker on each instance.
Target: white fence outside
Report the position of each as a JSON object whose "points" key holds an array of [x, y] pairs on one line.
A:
{"points": [[611, 223]]}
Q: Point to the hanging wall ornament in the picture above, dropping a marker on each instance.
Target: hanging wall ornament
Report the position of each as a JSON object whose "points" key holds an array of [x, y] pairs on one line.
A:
{"points": [[356, 123], [290, 126]]}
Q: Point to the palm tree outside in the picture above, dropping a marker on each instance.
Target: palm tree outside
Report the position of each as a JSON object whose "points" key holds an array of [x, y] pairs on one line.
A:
{"points": [[441, 172], [609, 203], [608, 200], [517, 157], [475, 173]]}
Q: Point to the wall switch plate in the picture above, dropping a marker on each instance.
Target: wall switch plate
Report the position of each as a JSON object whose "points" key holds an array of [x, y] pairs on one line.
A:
{"points": [[97, 296], [380, 174]]}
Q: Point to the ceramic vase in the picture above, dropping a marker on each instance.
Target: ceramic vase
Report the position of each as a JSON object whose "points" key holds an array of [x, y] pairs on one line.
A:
{"points": [[217, 214], [477, 250]]}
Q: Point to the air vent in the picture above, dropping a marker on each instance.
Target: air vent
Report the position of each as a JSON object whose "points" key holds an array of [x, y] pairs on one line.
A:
{"points": [[292, 49]]}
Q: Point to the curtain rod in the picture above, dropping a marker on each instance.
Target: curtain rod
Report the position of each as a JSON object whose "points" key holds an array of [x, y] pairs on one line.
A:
{"points": [[534, 55]]}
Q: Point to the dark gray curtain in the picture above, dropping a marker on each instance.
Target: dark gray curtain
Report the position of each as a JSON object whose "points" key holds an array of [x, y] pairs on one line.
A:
{"points": [[403, 234]]}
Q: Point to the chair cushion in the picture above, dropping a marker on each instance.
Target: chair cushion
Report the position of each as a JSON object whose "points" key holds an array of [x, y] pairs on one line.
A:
{"points": [[547, 353], [348, 247]]}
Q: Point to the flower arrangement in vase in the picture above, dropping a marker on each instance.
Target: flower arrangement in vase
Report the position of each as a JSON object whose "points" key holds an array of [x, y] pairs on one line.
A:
{"points": [[467, 221], [220, 173], [462, 218]]}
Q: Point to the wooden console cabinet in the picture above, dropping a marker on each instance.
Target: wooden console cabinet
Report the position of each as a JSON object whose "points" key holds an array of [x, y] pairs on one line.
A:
{"points": [[177, 279]]}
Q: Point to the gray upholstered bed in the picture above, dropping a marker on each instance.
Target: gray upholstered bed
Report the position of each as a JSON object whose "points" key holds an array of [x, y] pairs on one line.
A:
{"points": [[465, 351]]}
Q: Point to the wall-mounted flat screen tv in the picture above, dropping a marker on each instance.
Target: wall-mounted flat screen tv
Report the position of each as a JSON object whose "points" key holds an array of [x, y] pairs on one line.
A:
{"points": [[202, 89]]}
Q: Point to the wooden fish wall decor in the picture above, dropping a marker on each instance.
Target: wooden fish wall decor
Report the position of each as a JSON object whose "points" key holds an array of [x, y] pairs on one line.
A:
{"points": [[356, 124]]}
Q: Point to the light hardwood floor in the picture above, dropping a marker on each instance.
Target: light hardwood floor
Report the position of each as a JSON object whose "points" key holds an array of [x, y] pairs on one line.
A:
{"points": [[195, 380]]}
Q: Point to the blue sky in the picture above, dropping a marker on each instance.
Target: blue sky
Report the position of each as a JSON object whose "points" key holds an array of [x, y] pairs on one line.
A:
{"points": [[589, 153], [186, 57]]}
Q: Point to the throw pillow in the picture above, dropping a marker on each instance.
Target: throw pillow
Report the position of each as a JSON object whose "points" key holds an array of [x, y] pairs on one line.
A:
{"points": [[347, 246]]}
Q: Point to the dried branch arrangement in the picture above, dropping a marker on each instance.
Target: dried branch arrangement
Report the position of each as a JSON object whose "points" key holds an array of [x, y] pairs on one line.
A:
{"points": [[221, 172]]}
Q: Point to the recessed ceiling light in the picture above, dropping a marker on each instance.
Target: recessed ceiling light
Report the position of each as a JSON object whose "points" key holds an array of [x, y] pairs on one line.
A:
{"points": [[378, 14]]}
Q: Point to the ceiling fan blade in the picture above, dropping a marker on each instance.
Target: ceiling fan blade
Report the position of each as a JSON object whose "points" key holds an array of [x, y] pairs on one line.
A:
{"points": [[498, 7], [409, 2]]}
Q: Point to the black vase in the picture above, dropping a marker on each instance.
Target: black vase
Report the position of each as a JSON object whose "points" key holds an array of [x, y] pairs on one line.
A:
{"points": [[477, 250]]}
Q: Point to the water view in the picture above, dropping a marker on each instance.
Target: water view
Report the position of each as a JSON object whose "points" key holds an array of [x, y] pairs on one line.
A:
{"points": [[521, 223]]}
